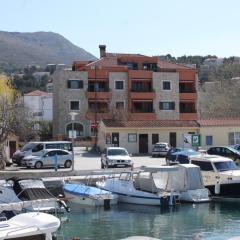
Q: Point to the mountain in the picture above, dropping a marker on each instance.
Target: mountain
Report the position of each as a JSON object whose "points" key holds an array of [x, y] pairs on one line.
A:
{"points": [[38, 48]]}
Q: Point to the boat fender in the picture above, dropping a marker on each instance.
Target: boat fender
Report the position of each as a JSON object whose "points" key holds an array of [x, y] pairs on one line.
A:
{"points": [[217, 188]]}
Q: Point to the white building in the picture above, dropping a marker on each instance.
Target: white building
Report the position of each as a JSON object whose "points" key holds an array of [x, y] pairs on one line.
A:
{"points": [[40, 105]]}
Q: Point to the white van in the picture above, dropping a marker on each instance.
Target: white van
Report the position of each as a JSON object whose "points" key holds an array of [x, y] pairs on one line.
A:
{"points": [[38, 148]]}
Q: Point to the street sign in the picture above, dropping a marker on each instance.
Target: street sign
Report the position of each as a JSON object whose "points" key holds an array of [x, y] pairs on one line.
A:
{"points": [[196, 140], [72, 134]]}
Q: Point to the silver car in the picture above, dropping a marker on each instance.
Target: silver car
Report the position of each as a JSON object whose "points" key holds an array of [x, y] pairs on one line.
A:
{"points": [[115, 157], [50, 158]]}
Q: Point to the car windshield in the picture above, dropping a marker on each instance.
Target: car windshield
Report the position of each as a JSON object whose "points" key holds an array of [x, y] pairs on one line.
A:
{"points": [[233, 149], [225, 166], [28, 146], [114, 152]]}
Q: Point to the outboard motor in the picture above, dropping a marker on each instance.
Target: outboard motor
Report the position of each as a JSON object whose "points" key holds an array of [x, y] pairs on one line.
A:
{"points": [[62, 203]]}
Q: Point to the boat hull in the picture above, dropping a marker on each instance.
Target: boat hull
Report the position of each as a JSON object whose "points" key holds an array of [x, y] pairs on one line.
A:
{"points": [[225, 191], [88, 201], [87, 195]]}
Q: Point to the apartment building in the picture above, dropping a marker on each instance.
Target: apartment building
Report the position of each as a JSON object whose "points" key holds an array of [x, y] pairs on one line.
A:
{"points": [[122, 87]]}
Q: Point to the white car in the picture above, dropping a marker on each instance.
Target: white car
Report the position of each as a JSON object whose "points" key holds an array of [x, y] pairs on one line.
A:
{"points": [[160, 149], [115, 157], [50, 158]]}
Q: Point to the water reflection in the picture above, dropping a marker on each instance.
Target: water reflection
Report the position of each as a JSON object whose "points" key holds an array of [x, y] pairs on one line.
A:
{"points": [[186, 221]]}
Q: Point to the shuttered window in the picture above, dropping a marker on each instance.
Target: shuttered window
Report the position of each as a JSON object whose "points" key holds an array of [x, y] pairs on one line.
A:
{"points": [[167, 105]]}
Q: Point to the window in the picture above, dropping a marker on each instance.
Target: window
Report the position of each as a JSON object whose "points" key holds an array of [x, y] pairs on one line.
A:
{"points": [[132, 137], [166, 85], [75, 84], [119, 105], [74, 105], [167, 105], [234, 138], [204, 166], [119, 85], [155, 138], [209, 140], [38, 147]]}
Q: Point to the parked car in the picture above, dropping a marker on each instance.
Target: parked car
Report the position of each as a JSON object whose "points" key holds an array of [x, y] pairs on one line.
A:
{"points": [[48, 159], [160, 149], [225, 151], [180, 155], [236, 146], [115, 157], [38, 148]]}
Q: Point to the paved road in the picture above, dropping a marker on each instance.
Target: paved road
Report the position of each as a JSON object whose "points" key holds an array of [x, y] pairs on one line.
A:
{"points": [[85, 160]]}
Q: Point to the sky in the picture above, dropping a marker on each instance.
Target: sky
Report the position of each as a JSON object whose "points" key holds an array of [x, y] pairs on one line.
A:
{"points": [[149, 27]]}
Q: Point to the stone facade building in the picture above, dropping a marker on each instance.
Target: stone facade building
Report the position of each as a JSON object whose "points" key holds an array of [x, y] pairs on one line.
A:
{"points": [[122, 87]]}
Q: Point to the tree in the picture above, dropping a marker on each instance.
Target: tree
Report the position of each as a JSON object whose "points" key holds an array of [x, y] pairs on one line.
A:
{"points": [[13, 116]]}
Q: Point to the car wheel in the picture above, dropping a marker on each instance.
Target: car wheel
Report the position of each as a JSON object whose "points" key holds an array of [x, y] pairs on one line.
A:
{"points": [[68, 164], [38, 165]]}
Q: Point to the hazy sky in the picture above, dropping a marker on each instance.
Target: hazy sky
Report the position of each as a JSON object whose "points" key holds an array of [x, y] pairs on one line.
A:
{"points": [[150, 27]]}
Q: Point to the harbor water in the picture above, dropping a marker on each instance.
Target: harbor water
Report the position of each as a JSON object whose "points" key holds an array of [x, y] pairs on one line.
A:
{"points": [[210, 221]]}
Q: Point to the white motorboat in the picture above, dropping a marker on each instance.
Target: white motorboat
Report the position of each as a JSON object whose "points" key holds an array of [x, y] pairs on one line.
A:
{"points": [[88, 195], [221, 176], [139, 187], [30, 194], [32, 225], [187, 180]]}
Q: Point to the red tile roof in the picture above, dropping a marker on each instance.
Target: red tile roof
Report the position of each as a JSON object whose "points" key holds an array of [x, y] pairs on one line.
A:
{"points": [[38, 93], [148, 124], [220, 122], [169, 65]]}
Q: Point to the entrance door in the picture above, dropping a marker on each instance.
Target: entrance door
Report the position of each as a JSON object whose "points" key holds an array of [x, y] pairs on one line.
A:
{"points": [[143, 143], [115, 139], [173, 139], [13, 147]]}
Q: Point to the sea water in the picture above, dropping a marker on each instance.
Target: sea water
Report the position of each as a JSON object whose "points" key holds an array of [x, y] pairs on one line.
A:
{"points": [[210, 221]]}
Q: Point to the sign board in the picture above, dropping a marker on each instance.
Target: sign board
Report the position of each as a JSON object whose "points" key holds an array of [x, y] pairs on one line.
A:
{"points": [[196, 140], [72, 134]]}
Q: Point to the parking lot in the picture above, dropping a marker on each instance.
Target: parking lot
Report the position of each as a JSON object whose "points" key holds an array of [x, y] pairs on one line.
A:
{"points": [[85, 160]]}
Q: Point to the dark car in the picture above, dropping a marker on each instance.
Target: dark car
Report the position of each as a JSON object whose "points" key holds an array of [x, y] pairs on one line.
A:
{"points": [[180, 155], [236, 146], [225, 152]]}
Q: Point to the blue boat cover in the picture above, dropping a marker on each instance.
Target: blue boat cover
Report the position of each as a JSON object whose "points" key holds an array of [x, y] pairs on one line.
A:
{"points": [[84, 190]]}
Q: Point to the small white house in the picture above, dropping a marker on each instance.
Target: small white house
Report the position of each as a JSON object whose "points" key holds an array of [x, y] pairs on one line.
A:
{"points": [[40, 105]]}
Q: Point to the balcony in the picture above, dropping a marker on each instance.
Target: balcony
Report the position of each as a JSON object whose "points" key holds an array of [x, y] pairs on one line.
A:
{"points": [[142, 95], [188, 96], [100, 116], [188, 116], [140, 74], [99, 95], [142, 116]]}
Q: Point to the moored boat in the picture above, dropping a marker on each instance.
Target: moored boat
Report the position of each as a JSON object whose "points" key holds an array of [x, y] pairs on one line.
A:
{"points": [[88, 195], [138, 187], [220, 175], [32, 225]]}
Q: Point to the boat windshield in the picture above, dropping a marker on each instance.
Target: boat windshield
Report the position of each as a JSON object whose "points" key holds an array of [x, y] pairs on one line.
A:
{"points": [[115, 152], [225, 166]]}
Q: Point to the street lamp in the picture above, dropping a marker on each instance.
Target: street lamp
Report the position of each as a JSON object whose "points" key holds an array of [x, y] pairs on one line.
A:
{"points": [[72, 135]]}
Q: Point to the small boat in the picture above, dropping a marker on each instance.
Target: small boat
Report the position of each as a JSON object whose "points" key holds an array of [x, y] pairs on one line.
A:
{"points": [[221, 176], [88, 195], [31, 225], [138, 187], [187, 180], [29, 194]]}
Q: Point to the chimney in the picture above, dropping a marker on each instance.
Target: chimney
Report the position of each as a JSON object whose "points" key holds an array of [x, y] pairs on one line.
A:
{"points": [[102, 49]]}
